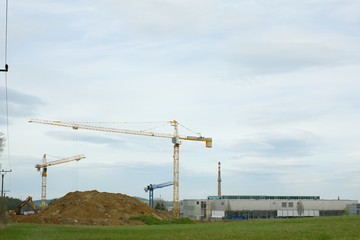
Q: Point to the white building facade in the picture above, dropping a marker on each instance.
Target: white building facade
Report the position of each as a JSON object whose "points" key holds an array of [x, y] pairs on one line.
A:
{"points": [[262, 207], [354, 209]]}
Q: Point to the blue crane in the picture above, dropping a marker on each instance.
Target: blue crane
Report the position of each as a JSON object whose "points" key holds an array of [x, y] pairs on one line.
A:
{"points": [[151, 188]]}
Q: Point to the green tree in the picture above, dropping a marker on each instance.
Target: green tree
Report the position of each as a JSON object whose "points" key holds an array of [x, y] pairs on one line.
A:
{"points": [[11, 203], [7, 203]]}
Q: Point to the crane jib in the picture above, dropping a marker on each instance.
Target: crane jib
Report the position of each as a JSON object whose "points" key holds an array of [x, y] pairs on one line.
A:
{"points": [[175, 138]]}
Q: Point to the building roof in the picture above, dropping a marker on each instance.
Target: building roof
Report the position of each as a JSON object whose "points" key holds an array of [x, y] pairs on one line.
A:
{"points": [[262, 197]]}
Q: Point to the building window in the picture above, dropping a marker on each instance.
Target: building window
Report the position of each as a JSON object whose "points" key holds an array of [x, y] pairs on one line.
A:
{"points": [[283, 204], [291, 204]]}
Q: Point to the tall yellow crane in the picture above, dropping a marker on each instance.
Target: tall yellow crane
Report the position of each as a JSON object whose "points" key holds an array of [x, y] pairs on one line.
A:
{"points": [[175, 140], [44, 167]]}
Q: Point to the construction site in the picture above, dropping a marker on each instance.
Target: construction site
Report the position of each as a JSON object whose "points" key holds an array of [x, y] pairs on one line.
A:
{"points": [[101, 208], [93, 207], [227, 88]]}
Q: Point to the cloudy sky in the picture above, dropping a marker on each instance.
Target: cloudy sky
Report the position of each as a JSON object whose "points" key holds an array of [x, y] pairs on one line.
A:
{"points": [[275, 83]]}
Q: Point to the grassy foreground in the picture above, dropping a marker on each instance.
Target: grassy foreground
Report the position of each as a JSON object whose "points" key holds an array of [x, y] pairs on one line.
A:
{"points": [[346, 227]]}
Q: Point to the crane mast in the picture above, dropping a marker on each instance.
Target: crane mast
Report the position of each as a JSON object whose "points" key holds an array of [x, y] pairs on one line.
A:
{"points": [[175, 140], [44, 167]]}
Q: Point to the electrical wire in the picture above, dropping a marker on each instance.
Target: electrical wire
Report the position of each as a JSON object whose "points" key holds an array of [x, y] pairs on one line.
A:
{"points": [[87, 122], [7, 120], [6, 79], [6, 27], [155, 127], [162, 124], [6, 85]]}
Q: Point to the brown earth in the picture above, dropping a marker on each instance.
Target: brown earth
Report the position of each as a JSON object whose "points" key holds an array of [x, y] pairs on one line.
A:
{"points": [[93, 208]]}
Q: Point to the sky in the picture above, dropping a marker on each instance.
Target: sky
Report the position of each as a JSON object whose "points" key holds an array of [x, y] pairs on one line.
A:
{"points": [[275, 83]]}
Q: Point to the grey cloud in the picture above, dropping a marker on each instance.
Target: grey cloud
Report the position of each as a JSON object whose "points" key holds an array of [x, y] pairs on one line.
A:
{"points": [[20, 104], [287, 147], [119, 141], [163, 25], [86, 138], [269, 58], [277, 116], [282, 146], [2, 120]]}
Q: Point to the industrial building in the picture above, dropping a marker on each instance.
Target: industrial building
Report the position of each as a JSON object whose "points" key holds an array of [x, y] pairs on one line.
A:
{"points": [[353, 209], [264, 207], [239, 207]]}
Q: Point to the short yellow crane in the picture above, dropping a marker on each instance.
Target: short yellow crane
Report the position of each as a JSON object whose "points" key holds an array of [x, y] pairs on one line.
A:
{"points": [[175, 140], [44, 167]]}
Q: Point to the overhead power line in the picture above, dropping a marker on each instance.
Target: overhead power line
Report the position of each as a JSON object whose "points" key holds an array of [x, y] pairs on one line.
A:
{"points": [[6, 68]]}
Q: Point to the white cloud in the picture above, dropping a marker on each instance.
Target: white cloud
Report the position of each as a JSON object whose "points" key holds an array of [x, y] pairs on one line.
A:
{"points": [[275, 83]]}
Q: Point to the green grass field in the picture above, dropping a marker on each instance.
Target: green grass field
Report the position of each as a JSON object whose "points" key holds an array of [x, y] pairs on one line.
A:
{"points": [[346, 227]]}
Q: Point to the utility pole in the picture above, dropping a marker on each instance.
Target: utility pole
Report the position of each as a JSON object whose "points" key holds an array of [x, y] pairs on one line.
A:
{"points": [[3, 172]]}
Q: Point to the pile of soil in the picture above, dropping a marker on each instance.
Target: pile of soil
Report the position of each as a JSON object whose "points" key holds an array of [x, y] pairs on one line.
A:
{"points": [[93, 208]]}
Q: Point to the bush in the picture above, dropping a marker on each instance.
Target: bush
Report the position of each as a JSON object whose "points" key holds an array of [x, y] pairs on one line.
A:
{"points": [[11, 203], [150, 220]]}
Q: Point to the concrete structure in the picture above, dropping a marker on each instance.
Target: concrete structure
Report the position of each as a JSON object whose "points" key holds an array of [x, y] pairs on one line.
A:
{"points": [[353, 209], [257, 207], [195, 208]]}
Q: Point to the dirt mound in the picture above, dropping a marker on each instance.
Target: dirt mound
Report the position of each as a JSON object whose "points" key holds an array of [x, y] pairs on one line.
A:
{"points": [[93, 208]]}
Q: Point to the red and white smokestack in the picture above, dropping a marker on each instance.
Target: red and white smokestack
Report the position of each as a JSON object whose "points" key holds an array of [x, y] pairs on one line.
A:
{"points": [[219, 179]]}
